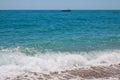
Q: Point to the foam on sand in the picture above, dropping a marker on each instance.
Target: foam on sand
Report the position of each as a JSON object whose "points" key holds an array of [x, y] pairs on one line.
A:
{"points": [[111, 72]]}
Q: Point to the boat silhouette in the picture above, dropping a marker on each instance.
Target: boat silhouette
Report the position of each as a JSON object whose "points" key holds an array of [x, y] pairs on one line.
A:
{"points": [[66, 10]]}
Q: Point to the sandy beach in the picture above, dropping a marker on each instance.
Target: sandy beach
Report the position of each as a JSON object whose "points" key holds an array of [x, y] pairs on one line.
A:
{"points": [[111, 72]]}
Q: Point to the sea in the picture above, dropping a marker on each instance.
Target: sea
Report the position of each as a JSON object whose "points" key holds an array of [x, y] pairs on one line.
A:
{"points": [[51, 40]]}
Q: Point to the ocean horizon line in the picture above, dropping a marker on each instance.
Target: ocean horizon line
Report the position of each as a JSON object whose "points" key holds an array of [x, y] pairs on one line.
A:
{"points": [[63, 9]]}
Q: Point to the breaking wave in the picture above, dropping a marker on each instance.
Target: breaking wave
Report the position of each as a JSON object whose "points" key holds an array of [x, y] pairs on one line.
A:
{"points": [[14, 61]]}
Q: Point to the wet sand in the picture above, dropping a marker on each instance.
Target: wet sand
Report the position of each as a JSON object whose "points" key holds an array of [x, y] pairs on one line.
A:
{"points": [[96, 72]]}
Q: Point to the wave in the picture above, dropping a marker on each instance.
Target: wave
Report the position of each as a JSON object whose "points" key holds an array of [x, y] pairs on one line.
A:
{"points": [[15, 62]]}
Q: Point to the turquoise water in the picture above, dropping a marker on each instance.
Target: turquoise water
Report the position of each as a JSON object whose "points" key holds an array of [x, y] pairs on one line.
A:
{"points": [[60, 31], [46, 41]]}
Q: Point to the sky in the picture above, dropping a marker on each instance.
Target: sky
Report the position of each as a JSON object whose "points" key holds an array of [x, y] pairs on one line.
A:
{"points": [[59, 4]]}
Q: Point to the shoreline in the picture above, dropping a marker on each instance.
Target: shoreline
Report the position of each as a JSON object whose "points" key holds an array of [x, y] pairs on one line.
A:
{"points": [[94, 72]]}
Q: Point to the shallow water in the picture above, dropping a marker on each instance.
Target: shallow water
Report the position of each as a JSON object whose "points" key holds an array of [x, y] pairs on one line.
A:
{"points": [[60, 31]]}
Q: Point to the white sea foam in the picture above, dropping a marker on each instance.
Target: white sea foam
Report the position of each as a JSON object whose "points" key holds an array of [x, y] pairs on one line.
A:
{"points": [[14, 62]]}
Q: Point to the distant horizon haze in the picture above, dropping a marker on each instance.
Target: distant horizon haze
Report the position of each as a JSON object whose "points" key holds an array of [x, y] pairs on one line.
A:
{"points": [[60, 5]]}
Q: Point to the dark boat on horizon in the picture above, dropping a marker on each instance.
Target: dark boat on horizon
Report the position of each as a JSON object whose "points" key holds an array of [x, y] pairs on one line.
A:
{"points": [[66, 10]]}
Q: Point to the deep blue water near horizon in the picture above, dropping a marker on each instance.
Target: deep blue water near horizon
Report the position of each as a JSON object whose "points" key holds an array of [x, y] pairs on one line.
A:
{"points": [[76, 31]]}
